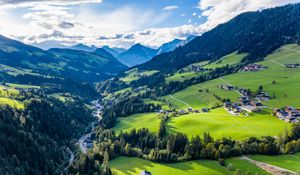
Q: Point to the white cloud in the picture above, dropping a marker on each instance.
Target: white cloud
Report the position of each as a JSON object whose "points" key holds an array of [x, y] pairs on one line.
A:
{"points": [[182, 14], [194, 14], [171, 7], [220, 11]]}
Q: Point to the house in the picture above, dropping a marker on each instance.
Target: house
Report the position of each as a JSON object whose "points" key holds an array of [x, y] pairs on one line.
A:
{"points": [[244, 100], [205, 110], [226, 87], [182, 112], [253, 67], [190, 109], [196, 111], [144, 172], [250, 108], [292, 65]]}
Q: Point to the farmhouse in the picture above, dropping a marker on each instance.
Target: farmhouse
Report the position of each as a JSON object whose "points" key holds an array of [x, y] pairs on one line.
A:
{"points": [[250, 108], [292, 65], [253, 67], [263, 96], [226, 87], [205, 110], [182, 112], [244, 100], [232, 107]]}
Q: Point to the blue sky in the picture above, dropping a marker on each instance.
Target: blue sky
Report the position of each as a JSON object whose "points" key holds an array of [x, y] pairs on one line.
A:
{"points": [[118, 23]]}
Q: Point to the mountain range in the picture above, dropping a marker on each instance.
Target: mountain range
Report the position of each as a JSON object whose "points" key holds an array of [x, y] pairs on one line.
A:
{"points": [[76, 64]]}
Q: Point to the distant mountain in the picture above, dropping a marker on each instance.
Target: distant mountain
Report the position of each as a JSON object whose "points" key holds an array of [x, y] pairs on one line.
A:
{"points": [[114, 51], [187, 40], [257, 33], [83, 47], [75, 64], [104, 53], [172, 45], [137, 54], [168, 47]]}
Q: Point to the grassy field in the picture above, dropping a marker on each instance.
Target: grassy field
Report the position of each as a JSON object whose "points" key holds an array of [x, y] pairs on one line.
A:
{"points": [[221, 124], [286, 88], [182, 76], [134, 166], [163, 105], [138, 121], [134, 74], [22, 86], [8, 97], [245, 166], [201, 95], [230, 59], [290, 162]]}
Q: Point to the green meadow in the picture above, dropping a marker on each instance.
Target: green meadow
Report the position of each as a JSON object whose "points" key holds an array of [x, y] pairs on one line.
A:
{"points": [[276, 79], [201, 95], [138, 121], [290, 162], [134, 166], [244, 166], [134, 74], [231, 59]]}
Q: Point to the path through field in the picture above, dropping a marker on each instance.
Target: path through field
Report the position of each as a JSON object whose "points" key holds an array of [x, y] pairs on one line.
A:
{"points": [[180, 101], [277, 63], [275, 170]]}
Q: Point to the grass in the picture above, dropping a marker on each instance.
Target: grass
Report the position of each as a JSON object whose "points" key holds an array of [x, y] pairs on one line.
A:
{"points": [[231, 59], [198, 97], [22, 86], [285, 89], [245, 166], [134, 166], [11, 102], [163, 105], [134, 74], [138, 121], [290, 162], [221, 124]]}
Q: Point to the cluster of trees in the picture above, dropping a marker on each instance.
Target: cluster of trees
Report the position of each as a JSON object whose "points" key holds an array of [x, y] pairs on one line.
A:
{"points": [[177, 147], [125, 107], [34, 140]]}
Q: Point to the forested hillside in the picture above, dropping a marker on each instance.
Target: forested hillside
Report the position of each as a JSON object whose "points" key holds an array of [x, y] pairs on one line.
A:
{"points": [[256, 33]]}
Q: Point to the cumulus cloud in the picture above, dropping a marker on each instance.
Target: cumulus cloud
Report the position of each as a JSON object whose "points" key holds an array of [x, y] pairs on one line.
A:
{"points": [[26, 3], [171, 7], [220, 11]]}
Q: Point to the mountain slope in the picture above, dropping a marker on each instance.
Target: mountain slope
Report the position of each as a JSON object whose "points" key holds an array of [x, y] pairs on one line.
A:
{"points": [[104, 53], [114, 51], [168, 47], [137, 54], [75, 64], [256, 33]]}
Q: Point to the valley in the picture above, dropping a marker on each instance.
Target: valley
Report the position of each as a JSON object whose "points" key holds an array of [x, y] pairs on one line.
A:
{"points": [[225, 102]]}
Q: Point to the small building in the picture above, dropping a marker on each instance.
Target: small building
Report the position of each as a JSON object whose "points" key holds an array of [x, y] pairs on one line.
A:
{"points": [[292, 65], [182, 112], [205, 110], [144, 172], [250, 108]]}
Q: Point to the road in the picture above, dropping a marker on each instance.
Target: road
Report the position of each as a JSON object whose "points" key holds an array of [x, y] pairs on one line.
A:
{"points": [[272, 169], [72, 156]]}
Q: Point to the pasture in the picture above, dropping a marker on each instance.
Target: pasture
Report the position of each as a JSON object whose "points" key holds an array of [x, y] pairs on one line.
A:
{"points": [[138, 121], [290, 162], [134, 166], [221, 124]]}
